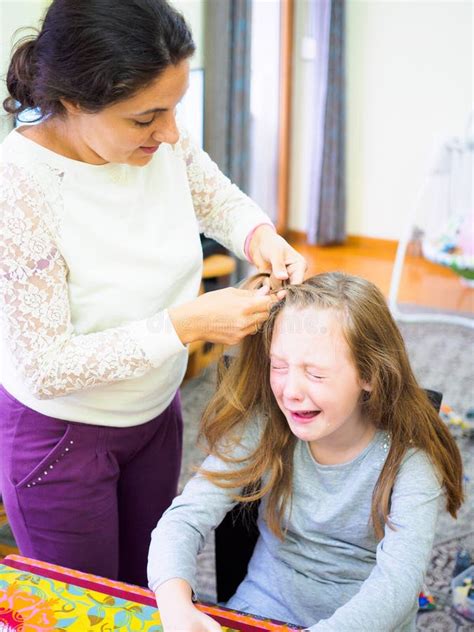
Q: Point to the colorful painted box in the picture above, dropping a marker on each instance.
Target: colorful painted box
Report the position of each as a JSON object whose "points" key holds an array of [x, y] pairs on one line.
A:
{"points": [[39, 597]]}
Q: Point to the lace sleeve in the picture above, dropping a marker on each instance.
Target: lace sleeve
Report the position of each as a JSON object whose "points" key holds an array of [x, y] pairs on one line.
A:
{"points": [[35, 304], [223, 211]]}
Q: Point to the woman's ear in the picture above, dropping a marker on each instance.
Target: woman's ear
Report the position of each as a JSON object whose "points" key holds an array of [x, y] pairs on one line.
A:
{"points": [[71, 108]]}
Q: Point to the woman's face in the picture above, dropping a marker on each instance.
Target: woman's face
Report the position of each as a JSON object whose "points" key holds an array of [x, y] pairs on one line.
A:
{"points": [[131, 131]]}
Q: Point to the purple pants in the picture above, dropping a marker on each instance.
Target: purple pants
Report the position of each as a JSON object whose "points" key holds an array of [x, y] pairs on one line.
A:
{"points": [[83, 496]]}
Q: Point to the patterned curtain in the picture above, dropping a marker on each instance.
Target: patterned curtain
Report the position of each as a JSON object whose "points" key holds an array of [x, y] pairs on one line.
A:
{"points": [[327, 215], [227, 87]]}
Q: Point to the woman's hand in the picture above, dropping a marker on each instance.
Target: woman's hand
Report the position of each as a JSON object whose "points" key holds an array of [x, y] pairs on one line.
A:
{"points": [[271, 253], [223, 316], [177, 611]]}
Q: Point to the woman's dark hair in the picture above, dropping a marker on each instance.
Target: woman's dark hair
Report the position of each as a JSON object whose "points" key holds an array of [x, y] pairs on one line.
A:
{"points": [[95, 53]]}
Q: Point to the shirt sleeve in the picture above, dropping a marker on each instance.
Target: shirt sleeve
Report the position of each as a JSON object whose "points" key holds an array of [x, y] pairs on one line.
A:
{"points": [[389, 596], [52, 359], [182, 530], [223, 211]]}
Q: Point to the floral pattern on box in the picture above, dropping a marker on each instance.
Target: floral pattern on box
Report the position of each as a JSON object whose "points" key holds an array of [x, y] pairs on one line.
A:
{"points": [[31, 603], [38, 597]]}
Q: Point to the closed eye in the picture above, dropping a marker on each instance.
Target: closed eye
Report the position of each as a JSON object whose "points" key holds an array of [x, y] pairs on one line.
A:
{"points": [[277, 368], [145, 123], [316, 377]]}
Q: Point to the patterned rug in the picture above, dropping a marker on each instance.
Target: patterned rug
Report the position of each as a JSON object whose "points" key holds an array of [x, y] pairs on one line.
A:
{"points": [[444, 618]]}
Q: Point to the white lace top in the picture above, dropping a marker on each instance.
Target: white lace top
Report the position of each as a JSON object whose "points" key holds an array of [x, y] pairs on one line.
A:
{"points": [[91, 258]]}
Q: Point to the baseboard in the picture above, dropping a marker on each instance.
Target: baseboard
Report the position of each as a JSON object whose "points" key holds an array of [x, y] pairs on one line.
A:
{"points": [[351, 241], [372, 243]]}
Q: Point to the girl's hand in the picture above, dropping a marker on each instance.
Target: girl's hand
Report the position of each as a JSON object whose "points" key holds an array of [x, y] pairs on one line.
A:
{"points": [[271, 253], [177, 611], [189, 619], [223, 316]]}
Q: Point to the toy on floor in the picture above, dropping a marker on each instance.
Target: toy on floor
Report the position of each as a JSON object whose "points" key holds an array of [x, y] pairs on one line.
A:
{"points": [[463, 593], [426, 601], [453, 248], [463, 426], [463, 561]]}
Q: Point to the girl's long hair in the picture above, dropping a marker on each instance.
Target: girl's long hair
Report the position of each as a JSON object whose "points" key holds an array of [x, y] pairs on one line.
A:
{"points": [[396, 403]]}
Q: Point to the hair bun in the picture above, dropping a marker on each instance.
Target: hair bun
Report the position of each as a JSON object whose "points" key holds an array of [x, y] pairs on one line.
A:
{"points": [[20, 77]]}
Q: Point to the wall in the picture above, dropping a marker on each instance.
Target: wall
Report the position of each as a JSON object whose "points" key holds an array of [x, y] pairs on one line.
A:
{"points": [[409, 85], [193, 12]]}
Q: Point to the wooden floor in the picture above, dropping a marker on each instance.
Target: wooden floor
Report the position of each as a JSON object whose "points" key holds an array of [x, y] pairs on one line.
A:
{"points": [[423, 283]]}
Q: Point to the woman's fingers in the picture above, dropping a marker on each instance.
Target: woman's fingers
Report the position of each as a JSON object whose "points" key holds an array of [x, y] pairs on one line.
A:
{"points": [[256, 325], [294, 264], [271, 253], [261, 306], [223, 316], [280, 294], [297, 270], [279, 264]]}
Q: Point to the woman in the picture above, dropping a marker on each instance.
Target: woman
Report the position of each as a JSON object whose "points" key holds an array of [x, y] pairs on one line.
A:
{"points": [[101, 205]]}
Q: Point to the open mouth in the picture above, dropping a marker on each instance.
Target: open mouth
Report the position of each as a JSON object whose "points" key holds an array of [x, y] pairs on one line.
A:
{"points": [[304, 415]]}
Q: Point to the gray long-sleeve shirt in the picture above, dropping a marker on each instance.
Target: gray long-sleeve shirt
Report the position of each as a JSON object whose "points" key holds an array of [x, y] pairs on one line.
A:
{"points": [[329, 573]]}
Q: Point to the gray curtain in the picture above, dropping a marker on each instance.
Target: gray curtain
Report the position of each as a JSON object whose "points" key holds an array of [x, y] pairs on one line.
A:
{"points": [[227, 87], [327, 207]]}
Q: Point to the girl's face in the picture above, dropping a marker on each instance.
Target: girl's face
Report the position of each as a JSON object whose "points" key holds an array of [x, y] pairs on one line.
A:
{"points": [[313, 377], [132, 130]]}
